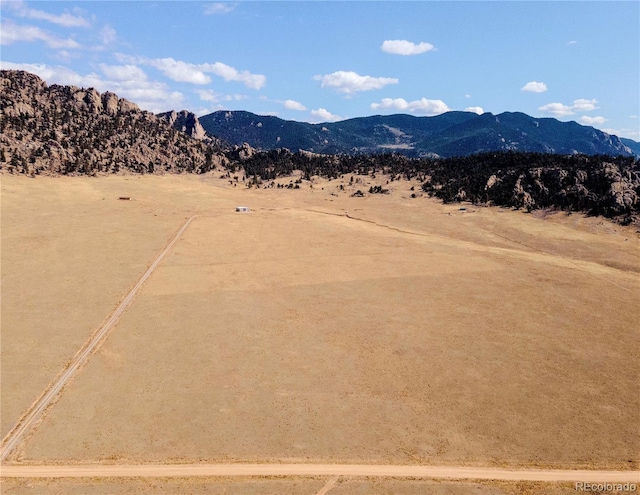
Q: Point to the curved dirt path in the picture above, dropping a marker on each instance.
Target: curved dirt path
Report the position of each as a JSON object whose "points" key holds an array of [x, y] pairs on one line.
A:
{"points": [[372, 470], [32, 416]]}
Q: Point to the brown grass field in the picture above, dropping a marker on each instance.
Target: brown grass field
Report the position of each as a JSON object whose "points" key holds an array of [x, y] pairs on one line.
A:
{"points": [[278, 486], [408, 332]]}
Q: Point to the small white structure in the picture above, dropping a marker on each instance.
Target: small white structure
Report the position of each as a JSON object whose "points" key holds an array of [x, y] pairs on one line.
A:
{"points": [[242, 209]]}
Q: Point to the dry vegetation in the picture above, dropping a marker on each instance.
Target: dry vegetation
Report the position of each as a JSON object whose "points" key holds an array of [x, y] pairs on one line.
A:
{"points": [[278, 486], [406, 332]]}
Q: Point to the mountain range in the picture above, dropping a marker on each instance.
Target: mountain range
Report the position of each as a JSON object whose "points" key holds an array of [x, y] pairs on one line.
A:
{"points": [[449, 134], [66, 130]]}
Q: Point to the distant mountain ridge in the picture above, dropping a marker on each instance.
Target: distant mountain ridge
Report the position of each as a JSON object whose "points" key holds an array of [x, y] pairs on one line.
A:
{"points": [[450, 134]]}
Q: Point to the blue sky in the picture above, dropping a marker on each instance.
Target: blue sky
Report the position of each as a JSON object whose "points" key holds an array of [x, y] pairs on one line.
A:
{"points": [[326, 61]]}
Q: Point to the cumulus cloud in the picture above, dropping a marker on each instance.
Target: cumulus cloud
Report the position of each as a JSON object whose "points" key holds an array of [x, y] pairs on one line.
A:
{"points": [[294, 105], [404, 47], [585, 119], [349, 82], [181, 71], [58, 75], [478, 110], [123, 72], [10, 33], [557, 109], [421, 107], [534, 87], [583, 105], [65, 19], [324, 115], [228, 73], [562, 110], [126, 82], [218, 8]]}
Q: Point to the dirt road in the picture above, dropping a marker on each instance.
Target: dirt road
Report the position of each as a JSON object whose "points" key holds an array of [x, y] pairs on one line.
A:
{"points": [[372, 470], [36, 411]]}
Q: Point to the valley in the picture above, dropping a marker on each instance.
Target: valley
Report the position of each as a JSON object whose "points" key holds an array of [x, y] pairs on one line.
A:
{"points": [[317, 328]]}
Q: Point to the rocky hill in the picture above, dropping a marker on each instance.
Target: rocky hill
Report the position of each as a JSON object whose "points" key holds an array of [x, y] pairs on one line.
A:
{"points": [[446, 135], [70, 130], [188, 123]]}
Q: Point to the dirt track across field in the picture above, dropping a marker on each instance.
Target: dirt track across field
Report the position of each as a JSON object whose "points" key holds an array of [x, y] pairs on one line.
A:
{"points": [[445, 472], [39, 407]]}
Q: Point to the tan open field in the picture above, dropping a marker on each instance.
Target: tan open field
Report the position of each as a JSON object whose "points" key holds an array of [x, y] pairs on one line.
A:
{"points": [[407, 332], [277, 486]]}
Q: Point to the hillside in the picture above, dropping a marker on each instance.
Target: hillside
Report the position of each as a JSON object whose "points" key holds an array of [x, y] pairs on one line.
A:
{"points": [[69, 130], [73, 131], [445, 135]]}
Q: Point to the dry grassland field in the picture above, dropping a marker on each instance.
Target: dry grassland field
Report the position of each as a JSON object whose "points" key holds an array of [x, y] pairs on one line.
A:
{"points": [[402, 332], [279, 486]]}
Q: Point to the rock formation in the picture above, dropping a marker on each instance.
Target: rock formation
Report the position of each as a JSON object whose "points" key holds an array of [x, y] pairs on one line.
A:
{"points": [[69, 130]]}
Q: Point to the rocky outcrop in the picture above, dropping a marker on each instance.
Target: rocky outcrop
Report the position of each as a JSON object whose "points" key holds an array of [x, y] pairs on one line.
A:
{"points": [[185, 121], [241, 153], [69, 130], [598, 185], [188, 123], [623, 192]]}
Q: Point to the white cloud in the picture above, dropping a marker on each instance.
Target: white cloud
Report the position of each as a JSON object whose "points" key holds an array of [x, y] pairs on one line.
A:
{"points": [[123, 72], [212, 96], [585, 119], [557, 109], [181, 71], [218, 8], [478, 110], [294, 105], [562, 110], [467, 96], [583, 105], [421, 107], [66, 19], [349, 82], [58, 75], [404, 47], [125, 81], [10, 33], [228, 73], [534, 87], [572, 42], [325, 115]]}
